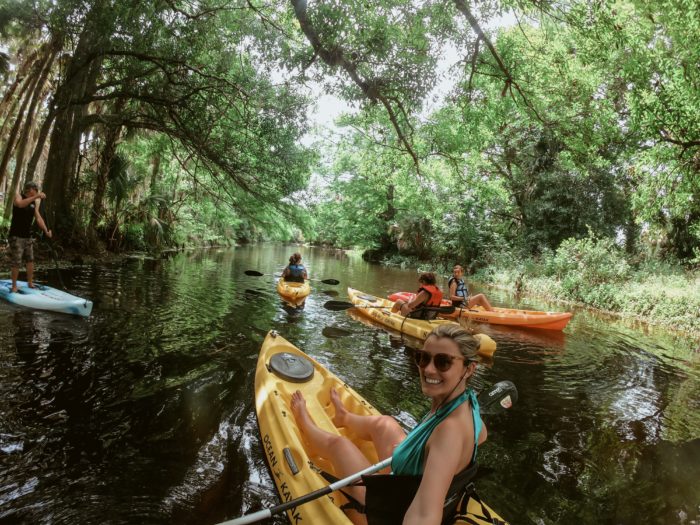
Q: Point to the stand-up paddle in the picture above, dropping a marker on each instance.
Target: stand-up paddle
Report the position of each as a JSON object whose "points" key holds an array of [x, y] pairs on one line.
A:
{"points": [[498, 398]]}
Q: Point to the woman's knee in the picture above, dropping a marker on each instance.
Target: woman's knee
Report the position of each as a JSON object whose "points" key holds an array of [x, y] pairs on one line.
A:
{"points": [[341, 444], [387, 425]]}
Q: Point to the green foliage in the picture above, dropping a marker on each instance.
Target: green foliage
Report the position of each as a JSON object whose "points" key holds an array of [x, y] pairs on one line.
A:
{"points": [[597, 135], [593, 260], [596, 272], [578, 127]]}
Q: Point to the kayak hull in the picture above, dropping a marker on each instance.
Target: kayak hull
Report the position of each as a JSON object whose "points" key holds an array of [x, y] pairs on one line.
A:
{"points": [[504, 316], [293, 291], [380, 311], [45, 298], [294, 468]]}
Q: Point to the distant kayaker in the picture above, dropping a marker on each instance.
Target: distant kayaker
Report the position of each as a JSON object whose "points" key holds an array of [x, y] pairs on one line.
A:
{"points": [[428, 294], [459, 293], [25, 210], [295, 271], [428, 459]]}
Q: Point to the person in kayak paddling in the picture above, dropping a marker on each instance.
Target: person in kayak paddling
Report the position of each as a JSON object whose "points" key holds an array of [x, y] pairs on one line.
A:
{"points": [[428, 294], [25, 210], [295, 271], [432, 458], [459, 293]]}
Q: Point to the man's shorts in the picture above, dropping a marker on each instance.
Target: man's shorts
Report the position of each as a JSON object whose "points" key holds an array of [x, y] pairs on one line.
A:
{"points": [[21, 249]]}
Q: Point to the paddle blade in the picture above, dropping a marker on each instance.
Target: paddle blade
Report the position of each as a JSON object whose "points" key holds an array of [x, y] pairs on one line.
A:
{"points": [[253, 273], [499, 397], [330, 281], [333, 332], [337, 306]]}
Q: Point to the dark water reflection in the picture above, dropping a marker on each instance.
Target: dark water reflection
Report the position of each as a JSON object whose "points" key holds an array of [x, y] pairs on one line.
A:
{"points": [[144, 413]]}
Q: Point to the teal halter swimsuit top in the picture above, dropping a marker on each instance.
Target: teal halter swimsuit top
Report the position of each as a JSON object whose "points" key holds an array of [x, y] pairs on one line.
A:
{"points": [[408, 456]]}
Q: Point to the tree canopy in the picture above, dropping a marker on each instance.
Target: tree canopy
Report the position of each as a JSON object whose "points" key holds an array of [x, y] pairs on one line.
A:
{"points": [[151, 123]]}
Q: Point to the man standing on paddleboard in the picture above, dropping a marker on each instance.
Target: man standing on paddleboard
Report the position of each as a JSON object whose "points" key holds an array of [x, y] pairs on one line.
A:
{"points": [[25, 210]]}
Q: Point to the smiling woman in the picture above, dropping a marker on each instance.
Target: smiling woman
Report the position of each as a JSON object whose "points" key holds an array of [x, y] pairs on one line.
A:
{"points": [[428, 453]]}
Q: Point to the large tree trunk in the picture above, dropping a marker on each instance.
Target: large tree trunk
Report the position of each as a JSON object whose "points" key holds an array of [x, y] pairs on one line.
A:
{"points": [[386, 239], [19, 162], [155, 172], [37, 95], [70, 109], [9, 101], [110, 147], [40, 143], [26, 96], [631, 234]]}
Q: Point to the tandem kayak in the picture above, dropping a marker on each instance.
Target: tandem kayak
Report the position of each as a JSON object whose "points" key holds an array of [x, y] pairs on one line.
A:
{"points": [[292, 290], [281, 370], [45, 298], [379, 309], [504, 316]]}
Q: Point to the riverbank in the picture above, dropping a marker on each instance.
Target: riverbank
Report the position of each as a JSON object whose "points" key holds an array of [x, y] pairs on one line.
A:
{"points": [[655, 293], [47, 259]]}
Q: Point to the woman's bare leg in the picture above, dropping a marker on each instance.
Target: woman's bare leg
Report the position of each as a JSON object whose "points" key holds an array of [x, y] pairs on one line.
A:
{"points": [[383, 431], [345, 457], [480, 300]]}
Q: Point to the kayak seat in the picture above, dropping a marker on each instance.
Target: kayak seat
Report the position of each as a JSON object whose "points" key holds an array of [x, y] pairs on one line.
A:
{"points": [[388, 496], [291, 367]]}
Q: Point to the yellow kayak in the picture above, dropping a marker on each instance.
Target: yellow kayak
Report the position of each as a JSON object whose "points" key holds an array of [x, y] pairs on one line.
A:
{"points": [[379, 309], [281, 370], [292, 290]]}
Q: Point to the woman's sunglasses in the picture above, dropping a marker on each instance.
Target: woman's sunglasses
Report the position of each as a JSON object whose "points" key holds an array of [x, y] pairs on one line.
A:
{"points": [[443, 362]]}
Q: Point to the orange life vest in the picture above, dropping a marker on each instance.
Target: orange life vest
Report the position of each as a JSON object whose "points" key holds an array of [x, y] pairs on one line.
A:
{"points": [[435, 295], [434, 298]]}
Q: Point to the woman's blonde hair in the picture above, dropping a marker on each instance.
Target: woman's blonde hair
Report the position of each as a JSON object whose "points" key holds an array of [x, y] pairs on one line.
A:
{"points": [[467, 344]]}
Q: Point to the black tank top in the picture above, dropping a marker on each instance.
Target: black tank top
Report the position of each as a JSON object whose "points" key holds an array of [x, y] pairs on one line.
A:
{"points": [[22, 219]]}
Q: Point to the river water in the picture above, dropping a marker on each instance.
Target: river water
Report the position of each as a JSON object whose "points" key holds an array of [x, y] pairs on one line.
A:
{"points": [[144, 412]]}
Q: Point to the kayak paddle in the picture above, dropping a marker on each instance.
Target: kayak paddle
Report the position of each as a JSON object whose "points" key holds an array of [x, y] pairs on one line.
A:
{"points": [[332, 332], [500, 396], [337, 306], [325, 281], [254, 273]]}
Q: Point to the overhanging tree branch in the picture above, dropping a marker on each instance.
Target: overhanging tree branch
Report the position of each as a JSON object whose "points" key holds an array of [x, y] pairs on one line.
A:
{"points": [[510, 81], [335, 57]]}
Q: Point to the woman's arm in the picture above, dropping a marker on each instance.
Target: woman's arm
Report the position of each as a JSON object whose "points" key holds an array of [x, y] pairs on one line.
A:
{"points": [[453, 292], [417, 301], [445, 450]]}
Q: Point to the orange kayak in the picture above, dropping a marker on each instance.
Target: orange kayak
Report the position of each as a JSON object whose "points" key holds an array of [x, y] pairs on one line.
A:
{"points": [[504, 316]]}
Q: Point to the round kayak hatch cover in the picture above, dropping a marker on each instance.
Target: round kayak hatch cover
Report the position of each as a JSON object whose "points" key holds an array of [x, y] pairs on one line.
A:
{"points": [[292, 367]]}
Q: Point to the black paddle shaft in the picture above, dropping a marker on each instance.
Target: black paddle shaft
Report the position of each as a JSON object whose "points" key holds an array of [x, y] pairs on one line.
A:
{"points": [[255, 273], [337, 306]]}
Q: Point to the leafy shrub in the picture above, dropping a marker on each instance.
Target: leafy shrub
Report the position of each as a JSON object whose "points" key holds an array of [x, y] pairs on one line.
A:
{"points": [[134, 237], [585, 263]]}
